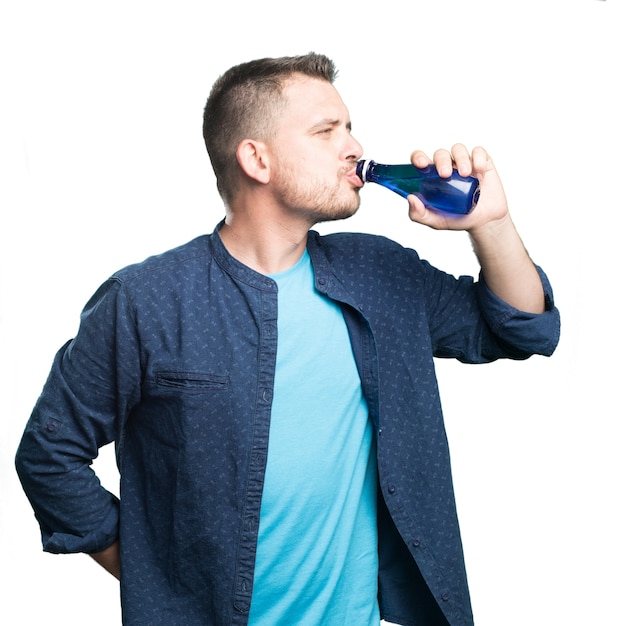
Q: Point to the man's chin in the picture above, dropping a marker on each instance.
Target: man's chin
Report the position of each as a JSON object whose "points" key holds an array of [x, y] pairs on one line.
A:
{"points": [[337, 214], [337, 208]]}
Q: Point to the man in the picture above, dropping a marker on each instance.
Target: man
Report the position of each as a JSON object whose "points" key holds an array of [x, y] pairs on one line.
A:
{"points": [[272, 393]]}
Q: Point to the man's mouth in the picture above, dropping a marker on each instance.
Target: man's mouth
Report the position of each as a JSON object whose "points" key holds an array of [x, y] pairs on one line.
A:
{"points": [[351, 175]]}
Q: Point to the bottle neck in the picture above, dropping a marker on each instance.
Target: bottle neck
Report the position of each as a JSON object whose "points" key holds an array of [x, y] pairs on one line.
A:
{"points": [[362, 168]]}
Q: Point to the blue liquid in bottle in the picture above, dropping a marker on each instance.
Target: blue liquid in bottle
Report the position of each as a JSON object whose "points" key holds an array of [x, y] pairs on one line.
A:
{"points": [[456, 194]]}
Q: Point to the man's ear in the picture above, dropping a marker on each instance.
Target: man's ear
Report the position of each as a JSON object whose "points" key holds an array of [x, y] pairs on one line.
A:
{"points": [[252, 157]]}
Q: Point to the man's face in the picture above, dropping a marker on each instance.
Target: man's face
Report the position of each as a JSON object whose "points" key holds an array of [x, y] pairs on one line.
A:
{"points": [[314, 154]]}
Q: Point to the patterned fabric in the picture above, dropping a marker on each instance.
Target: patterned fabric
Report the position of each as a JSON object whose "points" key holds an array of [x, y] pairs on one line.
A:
{"points": [[174, 360]]}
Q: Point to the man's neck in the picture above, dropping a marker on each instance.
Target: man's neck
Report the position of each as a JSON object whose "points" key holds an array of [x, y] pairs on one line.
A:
{"points": [[261, 241]]}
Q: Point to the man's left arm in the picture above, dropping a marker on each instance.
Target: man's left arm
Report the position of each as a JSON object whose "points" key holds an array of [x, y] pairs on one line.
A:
{"points": [[506, 267]]}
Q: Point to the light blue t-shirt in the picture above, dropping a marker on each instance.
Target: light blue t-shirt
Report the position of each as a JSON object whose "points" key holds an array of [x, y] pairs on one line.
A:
{"points": [[317, 560]]}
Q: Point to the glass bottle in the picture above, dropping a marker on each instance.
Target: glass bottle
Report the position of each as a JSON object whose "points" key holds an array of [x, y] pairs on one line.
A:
{"points": [[456, 194]]}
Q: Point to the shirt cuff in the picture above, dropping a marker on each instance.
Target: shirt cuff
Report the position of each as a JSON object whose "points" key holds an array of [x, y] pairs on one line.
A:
{"points": [[94, 541], [530, 333]]}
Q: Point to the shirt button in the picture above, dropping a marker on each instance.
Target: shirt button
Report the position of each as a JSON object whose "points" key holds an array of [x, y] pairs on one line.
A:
{"points": [[321, 281], [391, 489], [258, 460], [416, 543], [445, 596], [52, 425]]}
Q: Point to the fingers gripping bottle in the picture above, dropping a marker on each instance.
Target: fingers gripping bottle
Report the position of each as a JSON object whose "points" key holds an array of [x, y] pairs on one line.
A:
{"points": [[456, 194]]}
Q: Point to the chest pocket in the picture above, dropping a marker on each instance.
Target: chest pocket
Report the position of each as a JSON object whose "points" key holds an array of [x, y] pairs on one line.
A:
{"points": [[191, 382], [182, 406]]}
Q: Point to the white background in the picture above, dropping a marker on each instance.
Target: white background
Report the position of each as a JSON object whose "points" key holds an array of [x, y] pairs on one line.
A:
{"points": [[102, 163]]}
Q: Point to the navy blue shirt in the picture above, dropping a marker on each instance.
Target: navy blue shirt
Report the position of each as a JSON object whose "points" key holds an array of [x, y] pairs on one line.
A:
{"points": [[174, 361]]}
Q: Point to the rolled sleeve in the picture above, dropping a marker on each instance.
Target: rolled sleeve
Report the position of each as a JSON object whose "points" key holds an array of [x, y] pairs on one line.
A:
{"points": [[82, 407], [528, 333], [95, 540], [75, 513]]}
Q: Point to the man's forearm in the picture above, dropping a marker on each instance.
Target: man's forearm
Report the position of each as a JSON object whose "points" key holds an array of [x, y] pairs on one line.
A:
{"points": [[109, 558], [507, 269]]}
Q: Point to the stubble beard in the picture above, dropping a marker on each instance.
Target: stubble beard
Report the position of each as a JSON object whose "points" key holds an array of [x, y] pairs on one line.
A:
{"points": [[319, 202]]}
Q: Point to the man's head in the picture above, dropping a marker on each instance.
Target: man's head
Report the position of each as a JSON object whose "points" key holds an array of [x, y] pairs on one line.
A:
{"points": [[245, 102]]}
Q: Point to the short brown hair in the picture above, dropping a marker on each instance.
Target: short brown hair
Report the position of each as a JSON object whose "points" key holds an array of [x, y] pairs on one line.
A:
{"points": [[243, 103]]}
